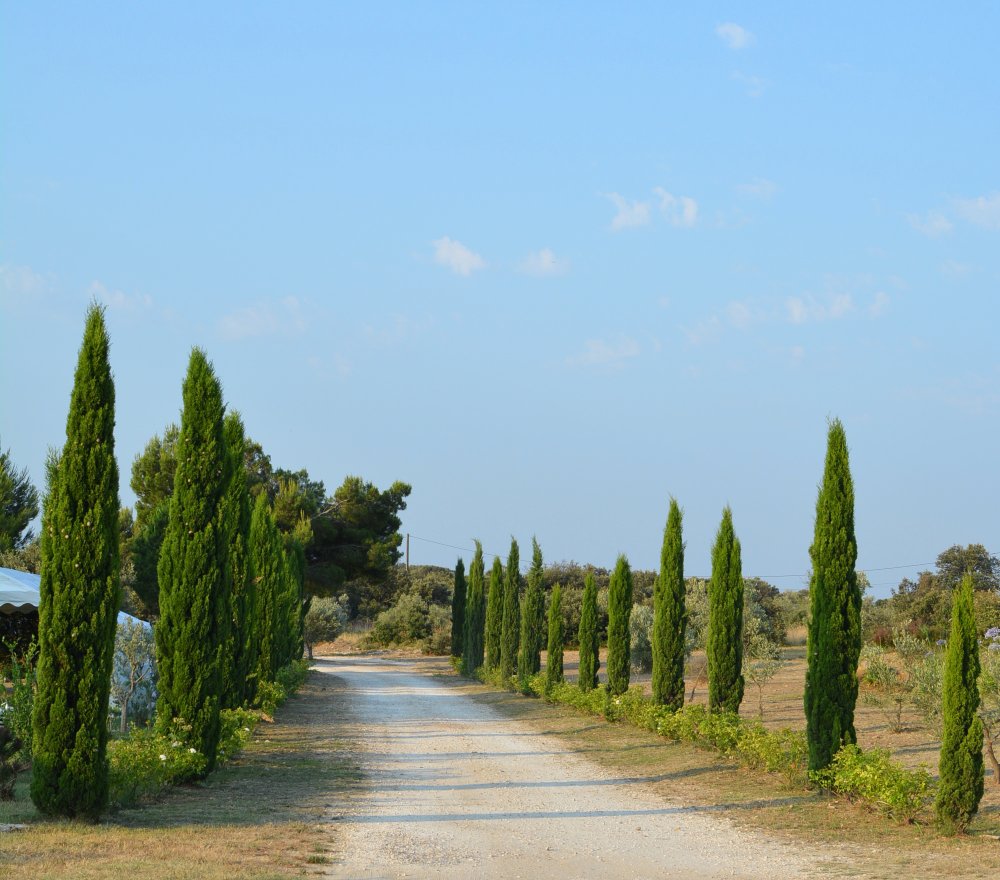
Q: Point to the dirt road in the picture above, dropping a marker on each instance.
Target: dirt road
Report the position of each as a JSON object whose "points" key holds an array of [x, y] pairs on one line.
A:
{"points": [[457, 790]]}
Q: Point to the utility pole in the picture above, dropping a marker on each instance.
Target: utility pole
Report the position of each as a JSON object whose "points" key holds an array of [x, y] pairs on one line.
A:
{"points": [[407, 551]]}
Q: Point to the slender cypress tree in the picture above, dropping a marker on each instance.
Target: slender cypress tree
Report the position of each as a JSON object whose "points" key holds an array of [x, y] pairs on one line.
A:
{"points": [[724, 647], [458, 610], [619, 611], [589, 637], [511, 620], [834, 642], [80, 592], [529, 660], [494, 615], [669, 616], [241, 647], [961, 765], [554, 654], [475, 615], [267, 572], [194, 570]]}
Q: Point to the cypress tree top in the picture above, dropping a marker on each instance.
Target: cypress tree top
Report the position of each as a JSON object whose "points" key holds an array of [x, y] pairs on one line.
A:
{"points": [[532, 617], [619, 639], [588, 636], [475, 615], [494, 616], [724, 645], [458, 609], [511, 615], [669, 616]]}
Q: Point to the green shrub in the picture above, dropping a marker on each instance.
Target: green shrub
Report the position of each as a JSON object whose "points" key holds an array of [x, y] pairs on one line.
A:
{"points": [[16, 707], [145, 762], [236, 728], [287, 680], [641, 638], [409, 620], [438, 641]]}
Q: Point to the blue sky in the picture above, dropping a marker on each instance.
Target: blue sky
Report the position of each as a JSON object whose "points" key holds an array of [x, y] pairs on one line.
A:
{"points": [[548, 264]]}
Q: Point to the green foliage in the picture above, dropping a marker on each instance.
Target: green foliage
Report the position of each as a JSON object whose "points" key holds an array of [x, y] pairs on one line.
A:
{"points": [[153, 473], [18, 504], [10, 766], [473, 653], [80, 596], [494, 615], [554, 653], [144, 763], [640, 627], [438, 642], [287, 680], [145, 552], [325, 620], [961, 767], [834, 645], [878, 781], [724, 646], [619, 609], [529, 660], [589, 637], [133, 681], [19, 697], [194, 571], [458, 596], [408, 621], [267, 571], [669, 615], [764, 660], [511, 615]]}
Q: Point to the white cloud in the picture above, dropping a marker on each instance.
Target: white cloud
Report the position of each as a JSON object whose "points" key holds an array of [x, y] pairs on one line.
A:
{"points": [[734, 36], [879, 305], [983, 211], [754, 85], [679, 210], [809, 309], [601, 352], [758, 188], [118, 299], [542, 263], [21, 281], [932, 224], [281, 318], [630, 214], [456, 256]]}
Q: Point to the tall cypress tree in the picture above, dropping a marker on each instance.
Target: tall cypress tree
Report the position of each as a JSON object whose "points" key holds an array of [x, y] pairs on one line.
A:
{"points": [[511, 618], [669, 616], [724, 646], [267, 572], [961, 764], [834, 642], [588, 636], [194, 571], [458, 610], [529, 660], [619, 611], [554, 653], [241, 649], [475, 615], [80, 592], [494, 615]]}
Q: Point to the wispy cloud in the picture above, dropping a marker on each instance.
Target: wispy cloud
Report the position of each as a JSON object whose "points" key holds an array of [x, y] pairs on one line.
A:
{"points": [[606, 353], [704, 332], [118, 300], [983, 211], [879, 304], [542, 263], [456, 256], [758, 188], [630, 214], [734, 36], [810, 309], [281, 318], [19, 282], [739, 314], [680, 211], [954, 269], [932, 224]]}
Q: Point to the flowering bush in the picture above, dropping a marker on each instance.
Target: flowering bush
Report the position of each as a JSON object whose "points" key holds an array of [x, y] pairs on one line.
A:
{"points": [[143, 763]]}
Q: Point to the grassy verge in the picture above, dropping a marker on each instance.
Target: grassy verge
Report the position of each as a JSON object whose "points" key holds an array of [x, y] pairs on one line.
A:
{"points": [[256, 817]]}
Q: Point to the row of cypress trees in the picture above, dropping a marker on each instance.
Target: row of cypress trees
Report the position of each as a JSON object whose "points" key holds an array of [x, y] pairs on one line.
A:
{"points": [[230, 590]]}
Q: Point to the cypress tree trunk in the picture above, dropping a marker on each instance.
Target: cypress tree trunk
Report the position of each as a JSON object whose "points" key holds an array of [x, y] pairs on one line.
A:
{"points": [[834, 643], [241, 647], [554, 653], [619, 611], [669, 616], [475, 616], [194, 571], [529, 660], [80, 594], [494, 616], [724, 645], [511, 621], [267, 572], [458, 610], [961, 765], [588, 636]]}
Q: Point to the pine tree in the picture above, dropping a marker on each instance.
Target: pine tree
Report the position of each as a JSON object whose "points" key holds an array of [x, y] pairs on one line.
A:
{"points": [[589, 637], [80, 592], [494, 616], [669, 616], [554, 654], [724, 645], [475, 615], [267, 572], [834, 642], [529, 659], [241, 649], [619, 611], [194, 571], [961, 765], [511, 620], [458, 610]]}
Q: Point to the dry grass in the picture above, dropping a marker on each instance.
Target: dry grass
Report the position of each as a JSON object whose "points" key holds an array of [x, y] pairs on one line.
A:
{"points": [[258, 817]]}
